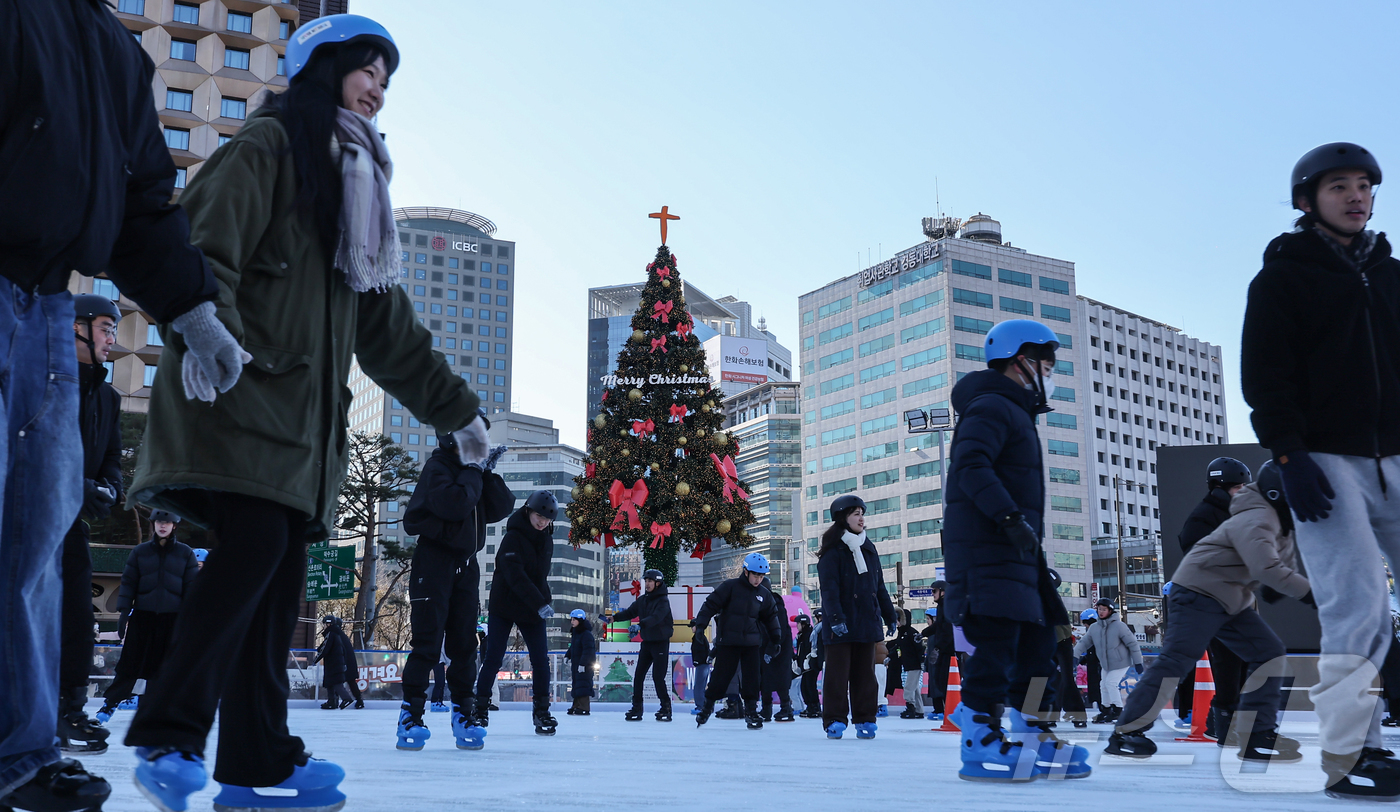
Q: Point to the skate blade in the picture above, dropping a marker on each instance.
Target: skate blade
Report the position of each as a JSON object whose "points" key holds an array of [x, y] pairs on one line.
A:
{"points": [[997, 777], [547, 732], [334, 807], [153, 798], [84, 749], [409, 745], [1290, 758], [470, 746], [1131, 756]]}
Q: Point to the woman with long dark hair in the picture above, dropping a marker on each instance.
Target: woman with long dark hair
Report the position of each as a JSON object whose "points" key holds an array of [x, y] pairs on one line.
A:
{"points": [[859, 614], [294, 216]]}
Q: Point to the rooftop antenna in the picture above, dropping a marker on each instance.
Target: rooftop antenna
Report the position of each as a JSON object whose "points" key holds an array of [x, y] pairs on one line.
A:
{"points": [[937, 202]]}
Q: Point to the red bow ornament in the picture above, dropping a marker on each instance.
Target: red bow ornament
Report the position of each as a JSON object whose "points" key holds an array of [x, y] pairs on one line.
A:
{"points": [[608, 540], [659, 342], [662, 272], [678, 413], [701, 548], [589, 470], [726, 470], [661, 311], [659, 532], [643, 428], [685, 328], [627, 500]]}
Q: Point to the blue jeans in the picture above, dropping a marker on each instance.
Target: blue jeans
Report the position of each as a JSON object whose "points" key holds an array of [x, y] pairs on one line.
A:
{"points": [[42, 482], [702, 676]]}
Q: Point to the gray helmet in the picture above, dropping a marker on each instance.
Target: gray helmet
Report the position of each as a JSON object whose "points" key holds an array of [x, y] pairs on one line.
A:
{"points": [[164, 516], [88, 306], [543, 503], [1337, 155]]}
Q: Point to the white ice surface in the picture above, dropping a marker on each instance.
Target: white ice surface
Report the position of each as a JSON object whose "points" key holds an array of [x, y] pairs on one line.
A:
{"points": [[602, 762]]}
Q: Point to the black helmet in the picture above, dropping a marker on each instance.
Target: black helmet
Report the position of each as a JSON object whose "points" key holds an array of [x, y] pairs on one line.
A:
{"points": [[1226, 472], [943, 585], [1338, 155], [164, 516], [1055, 580], [1108, 603], [817, 613], [1270, 483], [543, 503], [842, 505], [88, 306], [802, 619], [446, 441], [654, 575]]}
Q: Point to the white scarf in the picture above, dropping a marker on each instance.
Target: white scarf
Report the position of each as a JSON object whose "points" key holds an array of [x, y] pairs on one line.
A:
{"points": [[367, 250], [854, 542]]}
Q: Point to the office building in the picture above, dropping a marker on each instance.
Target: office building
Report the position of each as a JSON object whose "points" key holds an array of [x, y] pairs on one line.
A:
{"points": [[766, 421]]}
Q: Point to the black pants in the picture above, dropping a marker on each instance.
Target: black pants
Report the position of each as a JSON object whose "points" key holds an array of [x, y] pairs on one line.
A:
{"points": [[1013, 665], [894, 678], [811, 697], [655, 655], [1067, 695], [497, 637], [777, 679], [440, 681], [76, 639], [352, 681], [444, 594], [229, 651], [147, 639], [1196, 620], [1390, 680], [938, 680], [849, 685], [1228, 671], [731, 659], [338, 692]]}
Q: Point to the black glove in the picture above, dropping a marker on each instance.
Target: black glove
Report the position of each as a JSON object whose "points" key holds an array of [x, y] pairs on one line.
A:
{"points": [[1309, 599], [1021, 535], [1306, 487], [1137, 668], [121, 626], [1270, 595], [98, 498], [773, 651]]}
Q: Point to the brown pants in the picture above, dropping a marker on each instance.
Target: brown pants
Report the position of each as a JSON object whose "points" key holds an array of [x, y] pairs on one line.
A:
{"points": [[849, 684]]}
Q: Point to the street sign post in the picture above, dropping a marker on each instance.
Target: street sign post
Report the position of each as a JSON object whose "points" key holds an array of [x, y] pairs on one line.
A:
{"points": [[330, 572], [922, 592]]}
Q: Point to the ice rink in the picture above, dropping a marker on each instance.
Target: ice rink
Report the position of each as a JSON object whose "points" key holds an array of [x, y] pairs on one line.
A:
{"points": [[602, 762]]}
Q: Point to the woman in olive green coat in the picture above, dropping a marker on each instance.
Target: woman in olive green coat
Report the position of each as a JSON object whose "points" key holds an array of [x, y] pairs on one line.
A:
{"points": [[294, 216]]}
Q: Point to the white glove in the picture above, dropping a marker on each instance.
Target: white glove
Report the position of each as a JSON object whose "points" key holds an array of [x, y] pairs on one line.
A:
{"points": [[581, 669], [473, 445], [213, 360]]}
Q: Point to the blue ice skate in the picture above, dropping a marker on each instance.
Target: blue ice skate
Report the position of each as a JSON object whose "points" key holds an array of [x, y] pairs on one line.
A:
{"points": [[167, 777], [469, 736], [1055, 758], [438, 707], [835, 729], [413, 734], [313, 787], [987, 753], [865, 730], [882, 712], [105, 714], [130, 702], [934, 716]]}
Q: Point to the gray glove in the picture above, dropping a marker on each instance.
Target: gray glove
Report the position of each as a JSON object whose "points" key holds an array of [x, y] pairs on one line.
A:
{"points": [[213, 360], [494, 457], [472, 443], [546, 611]]}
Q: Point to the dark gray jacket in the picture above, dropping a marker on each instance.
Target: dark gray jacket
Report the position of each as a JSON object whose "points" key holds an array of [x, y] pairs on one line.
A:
{"points": [[157, 578]]}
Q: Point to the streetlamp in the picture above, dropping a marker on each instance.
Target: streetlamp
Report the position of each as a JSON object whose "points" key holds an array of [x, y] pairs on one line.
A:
{"points": [[1122, 577], [939, 420]]}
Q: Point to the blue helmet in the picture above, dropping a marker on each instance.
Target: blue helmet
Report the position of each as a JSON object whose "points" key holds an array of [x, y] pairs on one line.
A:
{"points": [[756, 562], [340, 29], [200, 554], [1167, 588], [1088, 614], [1005, 339], [579, 614]]}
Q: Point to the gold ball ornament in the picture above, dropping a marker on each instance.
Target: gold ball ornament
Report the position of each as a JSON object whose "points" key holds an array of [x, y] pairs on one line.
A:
{"points": [[588, 489], [634, 395], [623, 433], [684, 368], [680, 441], [704, 508], [665, 283], [638, 336], [574, 492], [655, 466], [722, 526], [710, 403], [595, 532], [704, 408], [600, 420], [682, 489], [626, 453], [719, 438], [699, 432]]}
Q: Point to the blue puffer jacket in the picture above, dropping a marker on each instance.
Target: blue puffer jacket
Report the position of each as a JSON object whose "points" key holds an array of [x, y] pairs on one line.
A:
{"points": [[859, 601], [995, 469]]}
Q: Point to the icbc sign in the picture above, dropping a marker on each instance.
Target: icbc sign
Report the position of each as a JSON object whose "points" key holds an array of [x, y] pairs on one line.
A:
{"points": [[439, 244]]}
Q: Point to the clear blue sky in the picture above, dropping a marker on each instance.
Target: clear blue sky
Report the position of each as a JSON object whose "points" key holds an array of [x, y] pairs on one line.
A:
{"points": [[1149, 144]]}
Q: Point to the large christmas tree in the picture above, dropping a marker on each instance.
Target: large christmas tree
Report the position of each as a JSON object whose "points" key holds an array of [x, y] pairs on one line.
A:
{"points": [[660, 471]]}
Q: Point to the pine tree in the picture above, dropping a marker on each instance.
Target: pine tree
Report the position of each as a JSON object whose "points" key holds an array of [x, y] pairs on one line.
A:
{"points": [[660, 471]]}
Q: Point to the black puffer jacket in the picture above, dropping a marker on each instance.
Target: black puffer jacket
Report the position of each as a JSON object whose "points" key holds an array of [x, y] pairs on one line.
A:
{"points": [[100, 413], [741, 608], [447, 497], [157, 577], [520, 585], [85, 175], [907, 651], [331, 654], [857, 600], [653, 613], [777, 672], [1205, 517], [1320, 353]]}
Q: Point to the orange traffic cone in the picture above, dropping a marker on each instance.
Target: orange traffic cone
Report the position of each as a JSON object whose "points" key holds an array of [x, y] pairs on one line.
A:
{"points": [[1200, 703], [952, 699]]}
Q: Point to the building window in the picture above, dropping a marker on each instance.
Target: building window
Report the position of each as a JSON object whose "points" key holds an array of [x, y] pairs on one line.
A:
{"points": [[153, 336], [1020, 307], [182, 49], [180, 175], [187, 13], [968, 352], [926, 301], [1061, 421], [177, 139], [499, 380], [500, 315], [1054, 313], [233, 108], [182, 100], [1063, 448], [242, 23], [105, 288], [149, 375], [1064, 476], [498, 397], [972, 269], [281, 64], [1067, 504], [967, 325], [136, 35], [876, 319], [131, 6], [972, 297], [420, 290], [1054, 285], [224, 139], [1067, 532], [284, 29], [421, 259], [1020, 280]]}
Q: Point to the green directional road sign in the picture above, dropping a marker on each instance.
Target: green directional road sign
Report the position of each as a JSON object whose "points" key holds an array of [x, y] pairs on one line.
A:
{"points": [[330, 573]]}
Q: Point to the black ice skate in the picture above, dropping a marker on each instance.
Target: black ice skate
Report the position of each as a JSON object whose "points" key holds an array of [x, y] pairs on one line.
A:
{"points": [[1371, 775], [633, 715], [1130, 745], [1269, 746], [751, 717], [76, 732], [60, 786], [545, 724], [706, 708], [664, 715], [784, 714]]}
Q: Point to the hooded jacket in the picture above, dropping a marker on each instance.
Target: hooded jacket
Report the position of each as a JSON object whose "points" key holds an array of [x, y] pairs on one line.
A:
{"points": [[1205, 517], [995, 470], [653, 613], [1249, 549], [1113, 642], [907, 651], [857, 600], [331, 653], [1320, 351], [520, 586], [583, 646], [157, 577], [452, 504], [741, 608], [100, 414]]}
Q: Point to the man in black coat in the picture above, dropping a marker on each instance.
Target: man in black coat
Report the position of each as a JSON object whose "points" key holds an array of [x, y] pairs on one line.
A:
{"points": [[158, 575], [938, 653], [807, 666], [777, 671], [652, 609], [452, 503], [999, 587], [99, 412], [743, 607], [86, 185], [333, 672]]}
